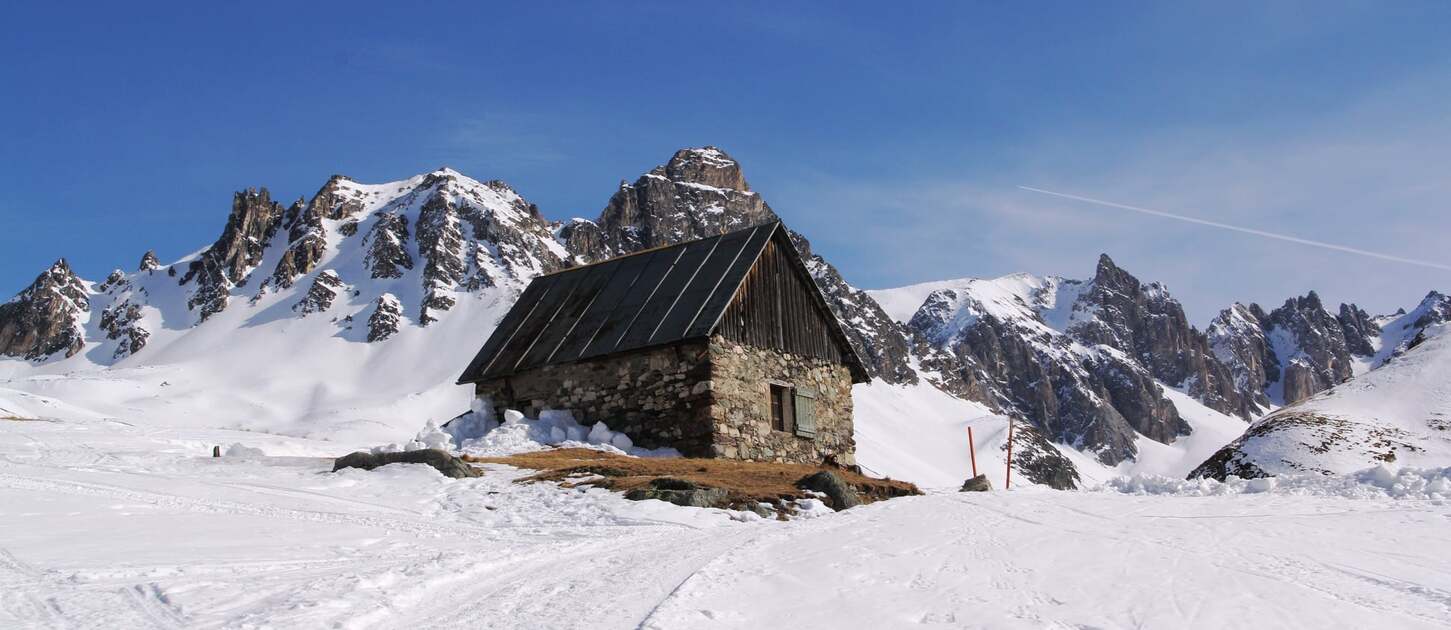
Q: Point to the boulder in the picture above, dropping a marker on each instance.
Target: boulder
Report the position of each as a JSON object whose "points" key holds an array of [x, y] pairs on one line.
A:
{"points": [[680, 492], [840, 494], [448, 465], [977, 484]]}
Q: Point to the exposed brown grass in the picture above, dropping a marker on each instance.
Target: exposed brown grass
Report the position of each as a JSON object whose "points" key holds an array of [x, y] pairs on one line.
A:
{"points": [[747, 482]]}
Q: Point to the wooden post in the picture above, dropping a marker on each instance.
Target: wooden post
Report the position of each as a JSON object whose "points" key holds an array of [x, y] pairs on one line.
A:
{"points": [[1008, 476], [972, 450]]}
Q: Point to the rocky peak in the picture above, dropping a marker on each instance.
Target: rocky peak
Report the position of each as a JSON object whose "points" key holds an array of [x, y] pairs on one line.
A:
{"points": [[473, 234], [1237, 338], [707, 166], [1110, 276], [935, 319], [1320, 357], [1359, 328], [45, 318], [1147, 324], [699, 193], [337, 199], [149, 261], [228, 261], [1435, 308]]}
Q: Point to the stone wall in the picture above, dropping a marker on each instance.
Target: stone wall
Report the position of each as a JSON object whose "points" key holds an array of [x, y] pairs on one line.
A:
{"points": [[659, 397], [703, 399], [740, 384]]}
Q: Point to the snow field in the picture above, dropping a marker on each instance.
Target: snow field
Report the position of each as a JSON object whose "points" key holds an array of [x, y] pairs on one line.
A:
{"points": [[1432, 484], [118, 523], [475, 432]]}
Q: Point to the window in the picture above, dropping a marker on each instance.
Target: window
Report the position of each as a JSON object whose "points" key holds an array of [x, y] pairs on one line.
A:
{"points": [[793, 410], [780, 401]]}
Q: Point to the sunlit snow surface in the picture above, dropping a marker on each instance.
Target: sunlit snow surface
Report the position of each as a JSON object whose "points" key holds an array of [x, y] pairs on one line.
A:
{"points": [[121, 523]]}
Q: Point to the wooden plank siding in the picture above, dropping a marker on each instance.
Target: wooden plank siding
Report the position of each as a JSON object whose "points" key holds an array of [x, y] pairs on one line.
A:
{"points": [[775, 309]]}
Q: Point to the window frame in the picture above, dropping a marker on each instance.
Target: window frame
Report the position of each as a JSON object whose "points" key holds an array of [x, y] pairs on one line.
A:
{"points": [[782, 401]]}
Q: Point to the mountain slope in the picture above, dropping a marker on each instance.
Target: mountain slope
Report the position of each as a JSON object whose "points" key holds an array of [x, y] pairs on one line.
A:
{"points": [[348, 315], [1397, 414], [1085, 361]]}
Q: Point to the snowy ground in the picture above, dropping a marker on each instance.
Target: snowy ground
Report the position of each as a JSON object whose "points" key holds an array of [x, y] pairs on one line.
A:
{"points": [[125, 524]]}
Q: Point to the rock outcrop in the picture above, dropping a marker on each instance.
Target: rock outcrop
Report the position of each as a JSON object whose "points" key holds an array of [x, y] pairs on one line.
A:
{"points": [[699, 192], [1036, 459], [387, 245], [473, 235], [840, 494], [1320, 356], [1148, 325], [337, 200], [325, 288], [1237, 338], [386, 318], [45, 318], [1434, 309], [306, 243], [229, 261], [1094, 398], [446, 464], [681, 492], [149, 262]]}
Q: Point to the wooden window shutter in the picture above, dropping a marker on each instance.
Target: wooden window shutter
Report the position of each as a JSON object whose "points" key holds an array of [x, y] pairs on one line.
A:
{"points": [[805, 403]]}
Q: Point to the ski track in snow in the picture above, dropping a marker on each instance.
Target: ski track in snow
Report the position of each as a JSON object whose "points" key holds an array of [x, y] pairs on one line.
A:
{"points": [[108, 525]]}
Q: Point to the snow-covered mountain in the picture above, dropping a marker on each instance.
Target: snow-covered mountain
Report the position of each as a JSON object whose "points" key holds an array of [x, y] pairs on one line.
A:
{"points": [[1397, 413], [348, 315], [1088, 362]]}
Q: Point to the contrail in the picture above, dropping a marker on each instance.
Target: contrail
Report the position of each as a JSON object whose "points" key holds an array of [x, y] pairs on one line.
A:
{"points": [[1245, 230]]}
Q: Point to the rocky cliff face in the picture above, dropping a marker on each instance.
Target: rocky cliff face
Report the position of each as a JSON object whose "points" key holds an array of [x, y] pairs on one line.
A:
{"points": [[121, 319], [229, 261], [1001, 352], [46, 318], [1320, 356], [386, 318], [320, 296], [1144, 322], [699, 192], [1296, 350], [1434, 309], [306, 244], [1237, 338]]}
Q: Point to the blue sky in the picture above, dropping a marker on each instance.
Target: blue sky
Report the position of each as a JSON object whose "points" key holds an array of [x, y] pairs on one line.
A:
{"points": [[895, 139]]}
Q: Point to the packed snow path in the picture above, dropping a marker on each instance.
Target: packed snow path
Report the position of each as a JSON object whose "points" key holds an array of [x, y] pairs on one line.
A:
{"points": [[111, 525]]}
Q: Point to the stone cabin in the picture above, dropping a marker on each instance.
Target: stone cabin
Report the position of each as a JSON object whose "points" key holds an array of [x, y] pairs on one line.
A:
{"points": [[720, 347]]}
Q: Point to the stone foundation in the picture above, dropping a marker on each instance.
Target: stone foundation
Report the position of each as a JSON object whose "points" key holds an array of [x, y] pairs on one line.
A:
{"points": [[705, 399], [655, 396]]}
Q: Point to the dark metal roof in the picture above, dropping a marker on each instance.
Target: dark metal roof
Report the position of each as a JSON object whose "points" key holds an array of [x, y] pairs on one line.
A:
{"points": [[650, 298]]}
